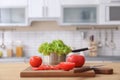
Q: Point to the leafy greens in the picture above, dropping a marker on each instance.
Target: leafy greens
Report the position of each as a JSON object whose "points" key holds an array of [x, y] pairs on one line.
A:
{"points": [[56, 46]]}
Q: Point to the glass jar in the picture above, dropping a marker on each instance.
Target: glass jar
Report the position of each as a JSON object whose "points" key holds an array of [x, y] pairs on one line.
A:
{"points": [[19, 49], [9, 50]]}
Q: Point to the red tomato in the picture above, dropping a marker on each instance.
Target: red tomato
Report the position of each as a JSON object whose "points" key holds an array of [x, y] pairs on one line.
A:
{"points": [[79, 60], [67, 65], [35, 61]]}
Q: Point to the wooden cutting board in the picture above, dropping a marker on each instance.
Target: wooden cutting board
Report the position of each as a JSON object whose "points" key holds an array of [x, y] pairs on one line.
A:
{"points": [[28, 72]]}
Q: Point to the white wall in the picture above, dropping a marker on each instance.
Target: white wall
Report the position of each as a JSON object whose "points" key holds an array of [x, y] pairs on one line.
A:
{"points": [[32, 39]]}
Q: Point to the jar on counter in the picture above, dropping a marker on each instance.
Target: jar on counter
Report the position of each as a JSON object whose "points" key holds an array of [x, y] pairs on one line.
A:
{"points": [[9, 50], [19, 49]]}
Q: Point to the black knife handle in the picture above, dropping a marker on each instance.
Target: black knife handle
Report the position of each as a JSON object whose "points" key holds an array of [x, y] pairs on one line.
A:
{"points": [[78, 50], [82, 69]]}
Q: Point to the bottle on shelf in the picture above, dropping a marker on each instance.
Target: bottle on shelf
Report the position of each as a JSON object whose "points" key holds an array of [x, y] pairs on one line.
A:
{"points": [[19, 49]]}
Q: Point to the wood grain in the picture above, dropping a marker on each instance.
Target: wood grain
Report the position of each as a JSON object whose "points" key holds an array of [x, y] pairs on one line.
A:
{"points": [[55, 73]]}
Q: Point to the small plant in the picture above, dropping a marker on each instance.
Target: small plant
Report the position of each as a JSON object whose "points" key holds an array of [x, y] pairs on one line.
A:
{"points": [[56, 46]]}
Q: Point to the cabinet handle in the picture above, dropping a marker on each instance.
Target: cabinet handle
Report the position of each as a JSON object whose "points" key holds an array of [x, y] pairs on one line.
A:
{"points": [[43, 11], [46, 11]]}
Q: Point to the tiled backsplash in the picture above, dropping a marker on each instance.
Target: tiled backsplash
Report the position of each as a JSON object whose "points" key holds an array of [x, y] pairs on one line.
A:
{"points": [[32, 39]]}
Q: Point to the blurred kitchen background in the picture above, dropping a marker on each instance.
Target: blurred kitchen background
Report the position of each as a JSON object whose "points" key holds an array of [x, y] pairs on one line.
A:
{"points": [[31, 38]]}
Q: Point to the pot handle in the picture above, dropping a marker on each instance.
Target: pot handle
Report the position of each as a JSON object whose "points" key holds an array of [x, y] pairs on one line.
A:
{"points": [[78, 50], [83, 49]]}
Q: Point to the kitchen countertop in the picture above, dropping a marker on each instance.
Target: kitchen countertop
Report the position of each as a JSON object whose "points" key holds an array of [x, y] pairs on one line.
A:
{"points": [[88, 59], [14, 59], [104, 58], [115, 76]]}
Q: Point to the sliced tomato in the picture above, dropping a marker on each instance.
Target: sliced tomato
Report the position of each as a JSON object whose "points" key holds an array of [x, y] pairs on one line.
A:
{"points": [[41, 67], [35, 68], [57, 67], [51, 67], [44, 67], [47, 67], [67, 66]]}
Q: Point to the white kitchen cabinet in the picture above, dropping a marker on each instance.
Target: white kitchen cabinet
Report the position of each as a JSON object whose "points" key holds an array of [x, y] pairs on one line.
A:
{"points": [[79, 2], [44, 8], [109, 13], [112, 14], [13, 16], [54, 7], [12, 3], [114, 1], [102, 14], [79, 15], [18, 15], [104, 1], [35, 8], [13, 13], [5, 15], [109, 1]]}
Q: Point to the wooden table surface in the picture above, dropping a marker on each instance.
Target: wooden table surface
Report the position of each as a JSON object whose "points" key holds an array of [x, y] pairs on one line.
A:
{"points": [[115, 76], [29, 73]]}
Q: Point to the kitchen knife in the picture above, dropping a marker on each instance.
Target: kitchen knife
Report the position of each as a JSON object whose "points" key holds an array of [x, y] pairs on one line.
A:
{"points": [[98, 69], [86, 68], [103, 70]]}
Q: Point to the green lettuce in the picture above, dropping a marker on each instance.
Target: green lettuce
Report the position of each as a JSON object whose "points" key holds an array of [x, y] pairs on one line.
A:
{"points": [[56, 46]]}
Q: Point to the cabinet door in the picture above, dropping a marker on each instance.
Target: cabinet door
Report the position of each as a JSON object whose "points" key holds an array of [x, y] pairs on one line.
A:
{"points": [[13, 16], [12, 3], [53, 8], [18, 15], [5, 16], [79, 15], [35, 8], [114, 13]]}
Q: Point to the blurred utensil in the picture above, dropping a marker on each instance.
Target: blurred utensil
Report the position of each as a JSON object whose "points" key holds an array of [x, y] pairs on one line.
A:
{"points": [[99, 41], [106, 39], [3, 45], [83, 35], [112, 43]]}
